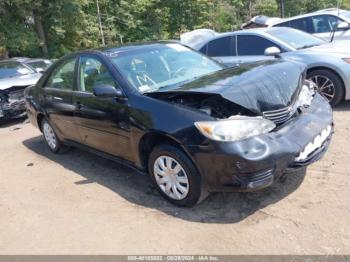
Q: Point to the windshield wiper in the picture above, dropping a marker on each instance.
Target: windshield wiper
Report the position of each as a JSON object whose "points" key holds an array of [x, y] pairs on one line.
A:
{"points": [[170, 85]]}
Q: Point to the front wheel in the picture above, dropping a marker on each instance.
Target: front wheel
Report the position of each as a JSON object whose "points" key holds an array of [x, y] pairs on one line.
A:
{"points": [[175, 176], [328, 85]]}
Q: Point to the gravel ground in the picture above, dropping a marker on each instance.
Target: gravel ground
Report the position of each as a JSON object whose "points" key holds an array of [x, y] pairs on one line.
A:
{"points": [[78, 203]]}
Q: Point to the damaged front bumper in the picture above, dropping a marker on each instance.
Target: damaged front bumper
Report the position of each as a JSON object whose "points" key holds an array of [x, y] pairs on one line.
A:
{"points": [[256, 162], [12, 104]]}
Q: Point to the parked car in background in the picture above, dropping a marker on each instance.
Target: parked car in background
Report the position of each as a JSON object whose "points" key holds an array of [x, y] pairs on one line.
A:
{"points": [[14, 78], [38, 64], [328, 64], [193, 124], [321, 23]]}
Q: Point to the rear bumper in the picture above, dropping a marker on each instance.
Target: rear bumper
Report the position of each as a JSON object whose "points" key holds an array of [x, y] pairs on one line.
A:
{"points": [[256, 162]]}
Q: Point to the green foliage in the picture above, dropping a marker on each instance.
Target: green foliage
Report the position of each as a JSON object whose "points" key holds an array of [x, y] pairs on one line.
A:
{"points": [[297, 7], [69, 25]]}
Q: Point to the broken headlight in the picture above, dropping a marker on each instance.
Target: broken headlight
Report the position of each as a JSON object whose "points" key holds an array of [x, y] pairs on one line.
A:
{"points": [[306, 94], [235, 128]]}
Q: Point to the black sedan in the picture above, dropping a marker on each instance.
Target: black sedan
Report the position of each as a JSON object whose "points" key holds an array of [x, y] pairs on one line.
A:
{"points": [[194, 125]]}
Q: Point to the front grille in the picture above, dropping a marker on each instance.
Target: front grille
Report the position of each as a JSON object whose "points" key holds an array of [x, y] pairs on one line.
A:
{"points": [[279, 116], [255, 177]]}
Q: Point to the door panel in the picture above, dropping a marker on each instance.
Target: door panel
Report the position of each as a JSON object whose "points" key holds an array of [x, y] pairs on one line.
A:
{"points": [[230, 61], [57, 99], [102, 122]]}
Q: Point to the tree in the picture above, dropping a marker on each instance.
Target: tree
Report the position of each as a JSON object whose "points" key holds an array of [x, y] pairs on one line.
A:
{"points": [[56, 27]]}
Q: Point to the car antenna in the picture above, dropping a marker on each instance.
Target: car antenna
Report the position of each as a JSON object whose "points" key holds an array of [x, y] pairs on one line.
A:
{"points": [[335, 27]]}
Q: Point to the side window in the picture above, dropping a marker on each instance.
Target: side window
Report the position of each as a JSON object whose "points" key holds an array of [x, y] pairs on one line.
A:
{"points": [[284, 24], [252, 45], [324, 23], [63, 76], [301, 24], [224, 46], [203, 50], [93, 72]]}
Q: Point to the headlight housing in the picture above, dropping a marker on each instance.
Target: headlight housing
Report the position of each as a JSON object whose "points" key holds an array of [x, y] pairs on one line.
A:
{"points": [[306, 94], [235, 128]]}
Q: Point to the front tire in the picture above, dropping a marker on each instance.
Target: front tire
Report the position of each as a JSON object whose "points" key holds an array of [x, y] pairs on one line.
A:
{"points": [[328, 84], [50, 137], [175, 176]]}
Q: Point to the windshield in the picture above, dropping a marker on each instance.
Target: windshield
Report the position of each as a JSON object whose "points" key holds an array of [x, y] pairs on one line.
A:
{"points": [[295, 38], [13, 69], [162, 65]]}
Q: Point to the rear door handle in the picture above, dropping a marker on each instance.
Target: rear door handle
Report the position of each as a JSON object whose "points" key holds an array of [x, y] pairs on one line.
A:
{"points": [[50, 97], [57, 98]]}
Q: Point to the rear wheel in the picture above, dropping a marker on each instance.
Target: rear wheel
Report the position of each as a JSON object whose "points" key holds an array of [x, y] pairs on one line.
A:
{"points": [[328, 84], [175, 176], [50, 136]]}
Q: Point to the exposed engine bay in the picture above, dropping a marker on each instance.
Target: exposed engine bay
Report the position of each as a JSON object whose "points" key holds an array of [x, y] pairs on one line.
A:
{"points": [[211, 104], [12, 101]]}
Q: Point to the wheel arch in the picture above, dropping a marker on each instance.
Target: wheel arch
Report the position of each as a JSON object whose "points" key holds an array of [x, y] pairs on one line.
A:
{"points": [[150, 140], [40, 118]]}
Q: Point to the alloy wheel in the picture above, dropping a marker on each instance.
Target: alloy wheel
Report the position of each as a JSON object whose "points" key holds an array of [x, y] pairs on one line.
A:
{"points": [[171, 177], [325, 86]]}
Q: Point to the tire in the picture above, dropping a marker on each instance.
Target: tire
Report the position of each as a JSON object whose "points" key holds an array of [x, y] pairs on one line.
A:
{"points": [[191, 193], [322, 76], [51, 139]]}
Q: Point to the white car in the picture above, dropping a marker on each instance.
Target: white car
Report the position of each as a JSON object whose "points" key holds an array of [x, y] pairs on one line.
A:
{"points": [[320, 23], [328, 64]]}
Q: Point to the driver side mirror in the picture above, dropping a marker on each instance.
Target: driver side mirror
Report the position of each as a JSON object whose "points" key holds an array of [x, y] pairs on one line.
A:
{"points": [[272, 51], [343, 26], [105, 90]]}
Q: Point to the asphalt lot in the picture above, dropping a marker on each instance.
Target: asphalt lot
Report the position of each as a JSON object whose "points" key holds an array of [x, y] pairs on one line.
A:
{"points": [[78, 203]]}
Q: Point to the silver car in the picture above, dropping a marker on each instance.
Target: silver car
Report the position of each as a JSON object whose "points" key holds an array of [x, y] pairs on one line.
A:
{"points": [[321, 23], [328, 64], [14, 78], [40, 65]]}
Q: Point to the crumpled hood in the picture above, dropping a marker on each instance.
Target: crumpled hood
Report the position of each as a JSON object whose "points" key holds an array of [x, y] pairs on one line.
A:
{"points": [[24, 80], [336, 47], [259, 87]]}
